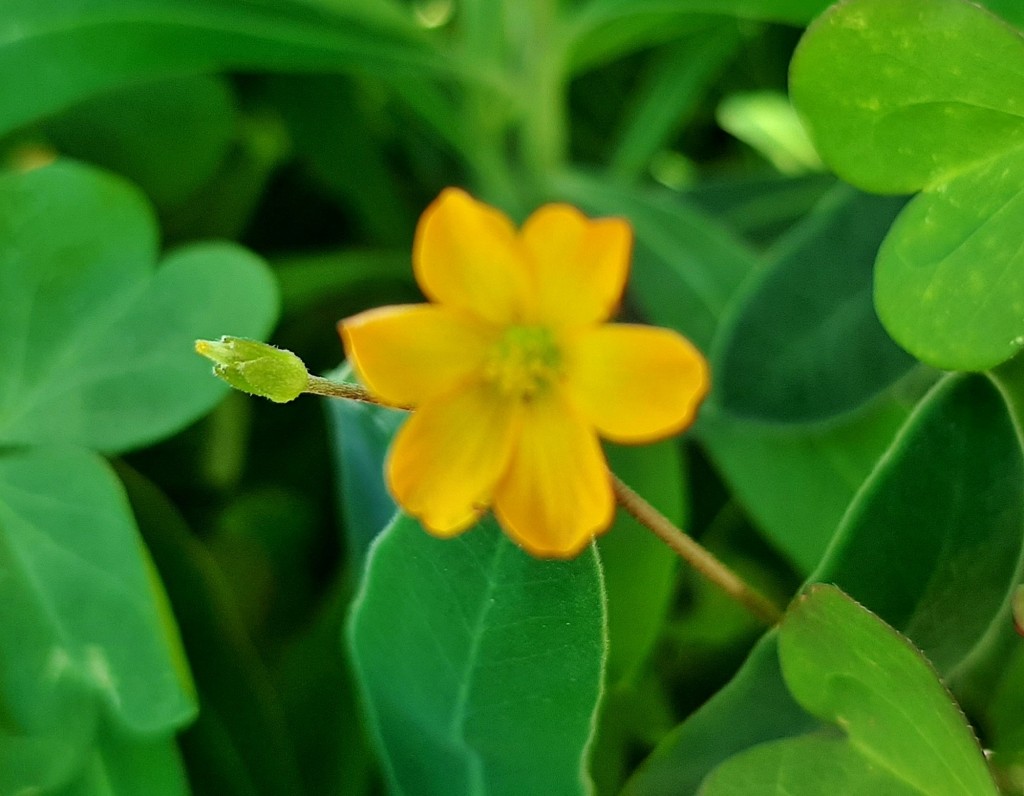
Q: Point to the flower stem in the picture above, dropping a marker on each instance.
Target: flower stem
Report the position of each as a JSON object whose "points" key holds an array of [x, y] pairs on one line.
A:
{"points": [[695, 555], [335, 389]]}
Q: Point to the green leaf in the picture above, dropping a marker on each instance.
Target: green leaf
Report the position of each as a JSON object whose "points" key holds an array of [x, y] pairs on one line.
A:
{"points": [[753, 708], [80, 600], [904, 735], [829, 464], [925, 95], [168, 137], [935, 562], [481, 667], [95, 45], [955, 545], [98, 346], [122, 766], [802, 344], [848, 667], [811, 765], [241, 731], [639, 569], [361, 435], [605, 29], [670, 94]]}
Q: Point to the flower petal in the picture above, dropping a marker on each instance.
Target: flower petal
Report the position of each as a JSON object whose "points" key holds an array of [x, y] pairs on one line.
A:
{"points": [[636, 383], [557, 493], [408, 354], [467, 255], [447, 458], [581, 264]]}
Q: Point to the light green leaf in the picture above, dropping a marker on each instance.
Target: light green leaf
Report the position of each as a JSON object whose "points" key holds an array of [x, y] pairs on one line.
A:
{"points": [[925, 95], [80, 602], [902, 732], [846, 666], [811, 765], [95, 45], [481, 667], [98, 346], [123, 766], [802, 344]]}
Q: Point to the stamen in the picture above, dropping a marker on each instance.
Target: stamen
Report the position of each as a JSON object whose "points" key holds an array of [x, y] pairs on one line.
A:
{"points": [[523, 362]]}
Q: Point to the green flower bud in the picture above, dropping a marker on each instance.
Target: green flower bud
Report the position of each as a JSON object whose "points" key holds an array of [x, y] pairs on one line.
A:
{"points": [[256, 368]]}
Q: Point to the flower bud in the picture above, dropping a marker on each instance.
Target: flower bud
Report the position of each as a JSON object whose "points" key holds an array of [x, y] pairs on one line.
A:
{"points": [[256, 368]]}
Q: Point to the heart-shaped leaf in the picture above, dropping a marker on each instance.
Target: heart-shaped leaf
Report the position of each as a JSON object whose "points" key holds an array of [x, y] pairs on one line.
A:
{"points": [[926, 95], [910, 548], [98, 345], [79, 600], [481, 666], [904, 734]]}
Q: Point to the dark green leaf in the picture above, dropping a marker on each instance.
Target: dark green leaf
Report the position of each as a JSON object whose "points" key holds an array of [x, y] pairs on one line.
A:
{"points": [[796, 483], [481, 666], [98, 346], [639, 569], [241, 731], [803, 343], [95, 45], [686, 268], [168, 137]]}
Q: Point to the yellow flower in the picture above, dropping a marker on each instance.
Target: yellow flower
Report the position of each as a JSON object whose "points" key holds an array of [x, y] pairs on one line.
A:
{"points": [[513, 373]]}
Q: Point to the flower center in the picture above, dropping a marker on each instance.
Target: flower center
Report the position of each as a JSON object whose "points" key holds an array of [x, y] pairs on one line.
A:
{"points": [[524, 361]]}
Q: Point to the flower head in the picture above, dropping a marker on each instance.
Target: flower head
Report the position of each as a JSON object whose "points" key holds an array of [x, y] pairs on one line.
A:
{"points": [[513, 372]]}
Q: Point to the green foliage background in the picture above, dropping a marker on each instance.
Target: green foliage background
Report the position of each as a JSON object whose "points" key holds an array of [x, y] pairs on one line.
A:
{"points": [[205, 593]]}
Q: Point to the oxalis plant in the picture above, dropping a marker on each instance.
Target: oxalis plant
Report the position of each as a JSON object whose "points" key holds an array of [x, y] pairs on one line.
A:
{"points": [[675, 446]]}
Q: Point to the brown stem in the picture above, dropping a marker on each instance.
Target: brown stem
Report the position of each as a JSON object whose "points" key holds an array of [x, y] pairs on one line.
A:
{"points": [[695, 555], [351, 392]]}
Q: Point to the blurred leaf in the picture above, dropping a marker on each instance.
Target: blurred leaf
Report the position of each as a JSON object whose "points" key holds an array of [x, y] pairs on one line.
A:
{"points": [[333, 137], [126, 767], [361, 436], [903, 731], [802, 344], [481, 666], [309, 278], [241, 732], [685, 267], [766, 122], [168, 137], [639, 569], [669, 95], [796, 483], [936, 562], [601, 30], [95, 45], [81, 602], [760, 208], [98, 345], [940, 110]]}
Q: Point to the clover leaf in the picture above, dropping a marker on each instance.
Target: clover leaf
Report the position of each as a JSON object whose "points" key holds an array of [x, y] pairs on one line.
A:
{"points": [[926, 96]]}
